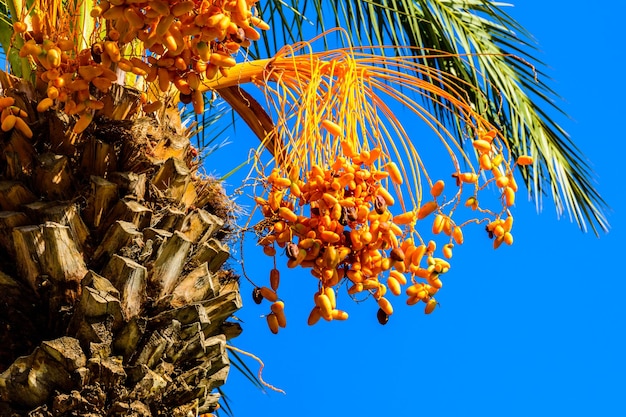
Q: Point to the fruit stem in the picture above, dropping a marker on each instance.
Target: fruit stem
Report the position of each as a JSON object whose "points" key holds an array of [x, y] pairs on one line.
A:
{"points": [[242, 73]]}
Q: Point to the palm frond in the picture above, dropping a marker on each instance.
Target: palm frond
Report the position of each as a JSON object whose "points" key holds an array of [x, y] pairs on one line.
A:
{"points": [[10, 47], [226, 408], [489, 51], [209, 127]]}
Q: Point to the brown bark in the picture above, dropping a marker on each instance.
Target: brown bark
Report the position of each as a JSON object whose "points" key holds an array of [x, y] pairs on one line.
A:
{"points": [[13, 194], [200, 223], [170, 219], [130, 279], [213, 252], [120, 234], [128, 211], [114, 295], [53, 178], [101, 198], [174, 181], [46, 255], [8, 221], [200, 284], [64, 214], [98, 157], [130, 184], [19, 155], [169, 264]]}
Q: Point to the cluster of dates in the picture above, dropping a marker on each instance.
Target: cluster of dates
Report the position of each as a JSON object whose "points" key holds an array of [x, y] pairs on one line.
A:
{"points": [[179, 43], [348, 233], [336, 221], [13, 117]]}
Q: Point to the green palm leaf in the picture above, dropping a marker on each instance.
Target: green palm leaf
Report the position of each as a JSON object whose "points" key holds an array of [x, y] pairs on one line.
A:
{"points": [[10, 54], [492, 52]]}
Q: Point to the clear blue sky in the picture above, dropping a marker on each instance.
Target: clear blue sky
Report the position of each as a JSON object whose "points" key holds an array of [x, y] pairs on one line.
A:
{"points": [[541, 334]]}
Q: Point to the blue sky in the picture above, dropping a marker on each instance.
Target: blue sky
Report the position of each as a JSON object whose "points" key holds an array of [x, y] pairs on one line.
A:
{"points": [[533, 329]]}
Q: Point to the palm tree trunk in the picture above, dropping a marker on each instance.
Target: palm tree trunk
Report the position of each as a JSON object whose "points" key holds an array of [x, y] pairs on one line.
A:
{"points": [[113, 289]]}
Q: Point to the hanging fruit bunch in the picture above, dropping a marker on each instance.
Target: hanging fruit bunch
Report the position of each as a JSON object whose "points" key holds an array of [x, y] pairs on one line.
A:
{"points": [[13, 117], [346, 204], [151, 45], [338, 224]]}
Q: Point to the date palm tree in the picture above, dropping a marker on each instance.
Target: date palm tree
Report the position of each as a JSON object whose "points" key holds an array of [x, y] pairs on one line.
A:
{"points": [[116, 297]]}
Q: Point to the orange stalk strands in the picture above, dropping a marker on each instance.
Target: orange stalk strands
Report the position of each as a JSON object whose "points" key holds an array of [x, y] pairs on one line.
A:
{"points": [[298, 79]]}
